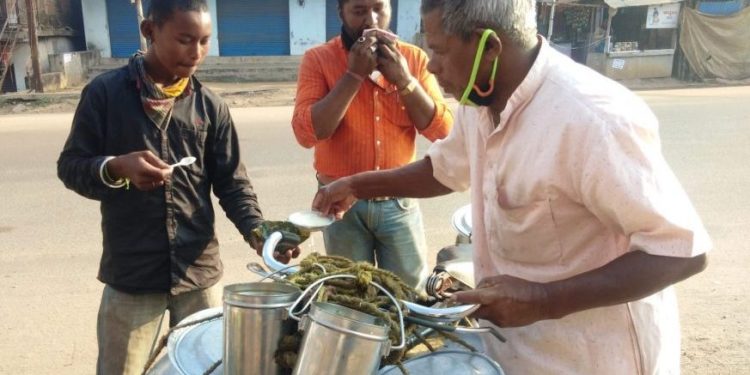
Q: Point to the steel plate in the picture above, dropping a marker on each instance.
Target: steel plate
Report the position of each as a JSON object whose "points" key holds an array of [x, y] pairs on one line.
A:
{"points": [[461, 220], [194, 349], [448, 362]]}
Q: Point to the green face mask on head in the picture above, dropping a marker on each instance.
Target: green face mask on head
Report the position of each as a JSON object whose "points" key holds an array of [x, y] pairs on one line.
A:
{"points": [[473, 95]]}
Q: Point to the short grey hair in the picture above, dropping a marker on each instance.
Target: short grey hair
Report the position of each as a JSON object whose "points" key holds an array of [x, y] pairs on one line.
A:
{"points": [[516, 19]]}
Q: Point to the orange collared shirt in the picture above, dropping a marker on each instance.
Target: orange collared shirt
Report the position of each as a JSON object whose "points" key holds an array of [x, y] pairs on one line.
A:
{"points": [[376, 131]]}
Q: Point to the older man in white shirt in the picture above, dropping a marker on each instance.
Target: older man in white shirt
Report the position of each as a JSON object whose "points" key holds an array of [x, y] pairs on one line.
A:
{"points": [[580, 227]]}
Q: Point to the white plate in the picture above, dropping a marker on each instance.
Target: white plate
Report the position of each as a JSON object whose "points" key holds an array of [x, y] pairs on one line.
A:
{"points": [[310, 220], [461, 220]]}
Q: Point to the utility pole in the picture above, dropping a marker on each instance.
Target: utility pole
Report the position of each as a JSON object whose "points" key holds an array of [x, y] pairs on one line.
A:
{"points": [[139, 13], [551, 20], [36, 80]]}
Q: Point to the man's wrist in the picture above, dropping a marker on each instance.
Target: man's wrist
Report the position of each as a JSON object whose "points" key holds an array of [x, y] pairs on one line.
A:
{"points": [[356, 76], [106, 177], [554, 305], [409, 87]]}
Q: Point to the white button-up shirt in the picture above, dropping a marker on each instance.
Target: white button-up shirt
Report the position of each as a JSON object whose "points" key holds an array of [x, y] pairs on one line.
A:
{"points": [[571, 178]]}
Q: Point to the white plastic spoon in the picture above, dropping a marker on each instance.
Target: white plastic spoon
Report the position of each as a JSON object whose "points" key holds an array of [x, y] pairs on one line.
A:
{"points": [[184, 162]]}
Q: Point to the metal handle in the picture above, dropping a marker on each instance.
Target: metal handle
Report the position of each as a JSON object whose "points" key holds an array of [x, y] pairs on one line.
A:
{"points": [[443, 314], [493, 331], [319, 284], [258, 269], [451, 328], [274, 265]]}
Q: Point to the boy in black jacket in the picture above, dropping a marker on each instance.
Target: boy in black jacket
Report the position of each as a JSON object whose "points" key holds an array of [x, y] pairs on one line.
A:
{"points": [[160, 251]]}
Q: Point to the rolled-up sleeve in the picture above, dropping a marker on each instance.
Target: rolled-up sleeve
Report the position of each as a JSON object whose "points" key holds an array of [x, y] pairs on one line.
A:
{"points": [[442, 122], [311, 88], [450, 158]]}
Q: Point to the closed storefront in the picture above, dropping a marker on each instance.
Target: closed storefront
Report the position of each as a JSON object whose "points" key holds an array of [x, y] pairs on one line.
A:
{"points": [[239, 27], [253, 27], [123, 27], [622, 39], [333, 22]]}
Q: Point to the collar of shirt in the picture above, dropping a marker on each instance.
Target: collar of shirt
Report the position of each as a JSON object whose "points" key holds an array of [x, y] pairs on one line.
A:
{"points": [[526, 90]]}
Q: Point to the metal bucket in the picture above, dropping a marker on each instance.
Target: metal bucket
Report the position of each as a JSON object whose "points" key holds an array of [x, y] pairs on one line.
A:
{"points": [[339, 340], [194, 349], [255, 319]]}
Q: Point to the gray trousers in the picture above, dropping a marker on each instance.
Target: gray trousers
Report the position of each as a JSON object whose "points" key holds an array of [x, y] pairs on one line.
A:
{"points": [[127, 324]]}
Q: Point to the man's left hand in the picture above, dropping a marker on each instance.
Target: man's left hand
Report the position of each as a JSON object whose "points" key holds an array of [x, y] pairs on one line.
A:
{"points": [[507, 301], [283, 255]]}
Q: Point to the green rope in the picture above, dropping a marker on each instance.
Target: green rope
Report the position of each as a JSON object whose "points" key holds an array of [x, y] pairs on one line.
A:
{"points": [[423, 341]]}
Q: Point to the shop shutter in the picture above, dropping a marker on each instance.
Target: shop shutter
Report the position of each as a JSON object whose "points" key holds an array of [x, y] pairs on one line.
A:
{"points": [[253, 27], [720, 8], [124, 32], [333, 22], [394, 16]]}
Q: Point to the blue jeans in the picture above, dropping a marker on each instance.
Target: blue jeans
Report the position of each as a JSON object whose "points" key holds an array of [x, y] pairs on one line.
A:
{"points": [[387, 233]]}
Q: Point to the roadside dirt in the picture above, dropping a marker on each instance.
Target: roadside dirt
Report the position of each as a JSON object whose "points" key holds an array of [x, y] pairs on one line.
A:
{"points": [[235, 94], [268, 94]]}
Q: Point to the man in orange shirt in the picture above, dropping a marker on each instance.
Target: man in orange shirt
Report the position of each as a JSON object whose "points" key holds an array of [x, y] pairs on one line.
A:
{"points": [[361, 100]]}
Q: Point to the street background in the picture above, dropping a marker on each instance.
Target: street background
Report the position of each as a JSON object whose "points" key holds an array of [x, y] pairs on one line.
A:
{"points": [[50, 238]]}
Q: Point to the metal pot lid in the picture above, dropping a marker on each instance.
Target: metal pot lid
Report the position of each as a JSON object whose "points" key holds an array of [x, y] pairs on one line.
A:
{"points": [[461, 220], [448, 362], [194, 349]]}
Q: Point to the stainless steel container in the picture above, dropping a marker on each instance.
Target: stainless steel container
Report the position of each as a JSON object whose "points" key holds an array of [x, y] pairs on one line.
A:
{"points": [[461, 221], [255, 319], [341, 341]]}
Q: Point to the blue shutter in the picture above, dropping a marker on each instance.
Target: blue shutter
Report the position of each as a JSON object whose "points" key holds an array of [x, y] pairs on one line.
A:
{"points": [[333, 22], [253, 27], [124, 31], [394, 16], [720, 8]]}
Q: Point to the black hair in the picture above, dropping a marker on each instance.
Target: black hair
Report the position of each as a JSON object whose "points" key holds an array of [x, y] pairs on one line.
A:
{"points": [[342, 2], [161, 10]]}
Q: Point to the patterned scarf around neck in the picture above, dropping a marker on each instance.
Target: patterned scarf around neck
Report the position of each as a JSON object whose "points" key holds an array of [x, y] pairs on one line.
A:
{"points": [[157, 101]]}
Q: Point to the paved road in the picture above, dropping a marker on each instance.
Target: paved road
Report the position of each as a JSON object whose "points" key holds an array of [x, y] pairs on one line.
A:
{"points": [[50, 237]]}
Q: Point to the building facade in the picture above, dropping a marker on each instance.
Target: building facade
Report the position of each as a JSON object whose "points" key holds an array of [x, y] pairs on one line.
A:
{"points": [[622, 39], [240, 27], [59, 30]]}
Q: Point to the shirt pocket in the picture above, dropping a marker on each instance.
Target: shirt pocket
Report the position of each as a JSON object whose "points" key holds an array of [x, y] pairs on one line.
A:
{"points": [[406, 204], [188, 139], [194, 133], [396, 112], [526, 233]]}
